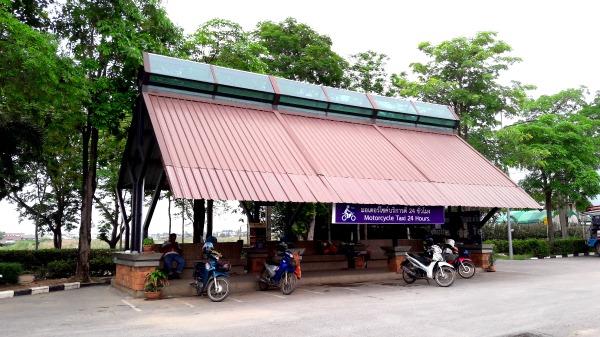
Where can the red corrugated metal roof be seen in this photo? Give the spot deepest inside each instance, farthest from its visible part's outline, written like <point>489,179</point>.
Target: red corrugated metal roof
<point>226,151</point>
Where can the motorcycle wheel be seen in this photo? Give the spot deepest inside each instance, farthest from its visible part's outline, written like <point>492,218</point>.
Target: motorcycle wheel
<point>466,269</point>
<point>444,276</point>
<point>198,287</point>
<point>288,283</point>
<point>408,278</point>
<point>262,285</point>
<point>217,290</point>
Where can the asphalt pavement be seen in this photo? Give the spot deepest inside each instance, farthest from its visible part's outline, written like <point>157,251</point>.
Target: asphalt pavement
<point>557,297</point>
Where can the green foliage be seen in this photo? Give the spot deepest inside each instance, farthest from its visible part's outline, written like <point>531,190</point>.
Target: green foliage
<point>367,73</point>
<point>464,74</point>
<point>296,51</point>
<point>156,280</point>
<point>36,86</point>
<point>102,266</point>
<point>32,260</point>
<point>537,231</point>
<point>561,154</point>
<point>2,235</point>
<point>60,268</point>
<point>9,272</point>
<point>541,247</point>
<point>148,241</point>
<point>225,43</point>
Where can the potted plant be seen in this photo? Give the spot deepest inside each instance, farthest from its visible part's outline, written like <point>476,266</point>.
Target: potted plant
<point>155,281</point>
<point>26,278</point>
<point>491,268</point>
<point>148,245</point>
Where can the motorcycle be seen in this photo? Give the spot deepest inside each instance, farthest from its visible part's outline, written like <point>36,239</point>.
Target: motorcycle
<point>419,267</point>
<point>210,277</point>
<point>285,275</point>
<point>461,262</point>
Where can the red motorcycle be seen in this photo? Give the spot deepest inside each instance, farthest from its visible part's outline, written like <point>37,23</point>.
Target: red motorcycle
<point>461,262</point>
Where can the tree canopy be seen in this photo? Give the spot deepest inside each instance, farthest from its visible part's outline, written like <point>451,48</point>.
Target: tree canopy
<point>559,152</point>
<point>464,74</point>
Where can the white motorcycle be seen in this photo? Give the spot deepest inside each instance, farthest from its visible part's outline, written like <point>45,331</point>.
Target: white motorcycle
<point>418,267</point>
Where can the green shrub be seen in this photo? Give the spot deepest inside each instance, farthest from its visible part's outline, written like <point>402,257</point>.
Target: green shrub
<point>541,247</point>
<point>102,266</point>
<point>39,260</point>
<point>9,272</point>
<point>61,268</point>
<point>148,241</point>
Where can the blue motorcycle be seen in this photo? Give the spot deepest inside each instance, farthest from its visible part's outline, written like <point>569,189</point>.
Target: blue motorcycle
<point>211,278</point>
<point>284,276</point>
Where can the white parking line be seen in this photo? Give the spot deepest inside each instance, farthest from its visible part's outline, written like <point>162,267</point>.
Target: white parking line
<point>131,305</point>
<point>313,292</point>
<point>185,303</point>
<point>278,296</point>
<point>235,299</point>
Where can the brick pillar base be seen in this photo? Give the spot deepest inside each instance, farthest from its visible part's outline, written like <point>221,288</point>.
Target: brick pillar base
<point>481,259</point>
<point>132,270</point>
<point>256,261</point>
<point>395,262</point>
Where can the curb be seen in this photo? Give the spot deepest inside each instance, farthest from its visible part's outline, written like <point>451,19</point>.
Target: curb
<point>49,289</point>
<point>561,256</point>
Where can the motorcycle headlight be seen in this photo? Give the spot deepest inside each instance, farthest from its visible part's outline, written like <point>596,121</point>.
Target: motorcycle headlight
<point>207,265</point>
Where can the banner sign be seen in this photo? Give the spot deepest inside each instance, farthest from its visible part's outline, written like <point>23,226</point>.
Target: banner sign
<point>385,214</point>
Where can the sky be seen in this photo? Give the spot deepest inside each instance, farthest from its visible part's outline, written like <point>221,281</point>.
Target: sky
<point>557,41</point>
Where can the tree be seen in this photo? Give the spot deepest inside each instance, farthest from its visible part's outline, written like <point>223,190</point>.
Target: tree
<point>561,154</point>
<point>225,43</point>
<point>33,13</point>
<point>113,222</point>
<point>107,38</point>
<point>37,85</point>
<point>367,73</point>
<point>562,103</point>
<point>297,52</point>
<point>2,235</point>
<point>464,74</point>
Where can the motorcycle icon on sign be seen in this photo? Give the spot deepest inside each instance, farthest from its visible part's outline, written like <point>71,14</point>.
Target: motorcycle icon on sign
<point>348,214</point>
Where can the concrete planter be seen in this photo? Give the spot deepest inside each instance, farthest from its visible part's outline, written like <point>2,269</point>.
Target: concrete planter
<point>26,279</point>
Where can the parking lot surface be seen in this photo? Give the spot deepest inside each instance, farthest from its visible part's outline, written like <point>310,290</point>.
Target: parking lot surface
<point>558,297</point>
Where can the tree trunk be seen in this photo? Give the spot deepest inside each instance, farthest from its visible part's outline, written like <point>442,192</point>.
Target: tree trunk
<point>564,222</point>
<point>90,156</point>
<point>198,224</point>
<point>37,235</point>
<point>548,195</point>
<point>57,236</point>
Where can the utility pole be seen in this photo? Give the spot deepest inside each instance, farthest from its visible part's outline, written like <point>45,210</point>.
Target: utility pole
<point>510,246</point>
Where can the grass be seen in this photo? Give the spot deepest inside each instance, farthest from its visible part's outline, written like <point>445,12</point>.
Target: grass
<point>515,256</point>
<point>48,244</point>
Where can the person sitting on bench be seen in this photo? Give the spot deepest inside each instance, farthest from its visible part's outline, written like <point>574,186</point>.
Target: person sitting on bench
<point>172,252</point>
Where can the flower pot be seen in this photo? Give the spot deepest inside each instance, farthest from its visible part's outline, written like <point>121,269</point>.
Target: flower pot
<point>26,279</point>
<point>152,295</point>
<point>148,249</point>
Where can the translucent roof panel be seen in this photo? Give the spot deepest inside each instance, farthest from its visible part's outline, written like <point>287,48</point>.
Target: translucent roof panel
<point>300,89</point>
<point>434,110</point>
<point>243,79</point>
<point>348,97</point>
<point>169,66</point>
<point>394,104</point>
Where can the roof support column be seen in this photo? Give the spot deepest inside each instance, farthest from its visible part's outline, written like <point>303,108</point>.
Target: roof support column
<point>136,221</point>
<point>125,217</point>
<point>209,217</point>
